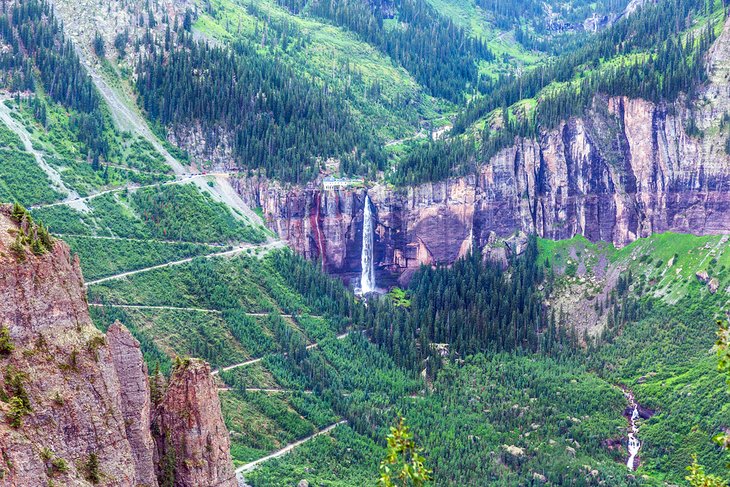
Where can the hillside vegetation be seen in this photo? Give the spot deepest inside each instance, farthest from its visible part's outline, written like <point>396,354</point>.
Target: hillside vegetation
<point>511,375</point>
<point>530,407</point>
<point>656,54</point>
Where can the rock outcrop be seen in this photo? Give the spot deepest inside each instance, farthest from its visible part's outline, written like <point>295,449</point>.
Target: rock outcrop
<point>75,403</point>
<point>59,387</point>
<point>193,440</point>
<point>132,373</point>
<point>626,169</point>
<point>85,19</point>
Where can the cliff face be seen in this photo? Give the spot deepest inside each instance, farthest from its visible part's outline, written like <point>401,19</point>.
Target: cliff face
<point>626,169</point>
<point>74,403</point>
<point>135,395</point>
<point>193,440</point>
<point>61,372</point>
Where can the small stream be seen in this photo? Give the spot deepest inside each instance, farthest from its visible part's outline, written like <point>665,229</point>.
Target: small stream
<point>632,414</point>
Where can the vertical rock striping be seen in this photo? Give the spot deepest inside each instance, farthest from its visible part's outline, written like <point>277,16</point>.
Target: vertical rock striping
<point>132,373</point>
<point>75,403</point>
<point>625,170</point>
<point>193,438</point>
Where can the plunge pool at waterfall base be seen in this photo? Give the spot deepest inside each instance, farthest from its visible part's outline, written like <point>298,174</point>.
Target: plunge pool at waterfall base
<point>385,281</point>
<point>373,293</point>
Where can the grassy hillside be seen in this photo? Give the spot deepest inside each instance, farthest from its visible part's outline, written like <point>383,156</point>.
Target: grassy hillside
<point>511,397</point>
<point>380,92</point>
<point>667,267</point>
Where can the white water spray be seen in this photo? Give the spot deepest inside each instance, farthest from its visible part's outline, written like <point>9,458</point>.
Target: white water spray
<point>367,277</point>
<point>634,445</point>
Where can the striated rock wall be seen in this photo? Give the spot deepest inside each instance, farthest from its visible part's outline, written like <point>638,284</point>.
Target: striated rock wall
<point>75,403</point>
<point>626,169</point>
<point>135,399</point>
<point>193,439</point>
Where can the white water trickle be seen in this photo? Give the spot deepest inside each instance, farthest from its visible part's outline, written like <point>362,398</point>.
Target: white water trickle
<point>367,277</point>
<point>634,445</point>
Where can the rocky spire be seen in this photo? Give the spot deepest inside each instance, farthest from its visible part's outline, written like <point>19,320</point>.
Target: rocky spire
<point>74,403</point>
<point>61,418</point>
<point>192,445</point>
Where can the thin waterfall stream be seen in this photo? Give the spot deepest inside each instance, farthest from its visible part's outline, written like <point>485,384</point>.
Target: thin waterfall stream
<point>633,444</point>
<point>367,276</point>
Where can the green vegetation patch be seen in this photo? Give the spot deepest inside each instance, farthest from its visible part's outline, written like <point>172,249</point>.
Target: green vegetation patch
<point>102,257</point>
<point>188,333</point>
<point>380,92</point>
<point>218,283</point>
<point>509,416</point>
<point>23,181</point>
<point>261,422</point>
<point>676,265</point>
<point>669,265</point>
<point>108,215</point>
<point>9,139</point>
<point>342,458</point>
<point>171,212</point>
<point>139,154</point>
<point>113,216</point>
<point>182,212</point>
<point>251,331</point>
<point>251,376</point>
<point>85,180</point>
<point>62,219</point>
<point>666,357</point>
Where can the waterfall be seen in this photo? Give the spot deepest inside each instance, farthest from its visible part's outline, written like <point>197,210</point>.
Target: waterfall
<point>367,277</point>
<point>634,445</point>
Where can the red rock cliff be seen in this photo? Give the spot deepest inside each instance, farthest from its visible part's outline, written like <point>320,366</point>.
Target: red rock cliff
<point>74,403</point>
<point>193,440</point>
<point>625,169</point>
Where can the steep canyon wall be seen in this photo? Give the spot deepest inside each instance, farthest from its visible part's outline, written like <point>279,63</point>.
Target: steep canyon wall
<point>625,170</point>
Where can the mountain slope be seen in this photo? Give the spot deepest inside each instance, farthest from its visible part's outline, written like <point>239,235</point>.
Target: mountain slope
<point>518,373</point>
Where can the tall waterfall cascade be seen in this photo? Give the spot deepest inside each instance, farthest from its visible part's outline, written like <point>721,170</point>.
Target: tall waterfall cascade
<point>367,277</point>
